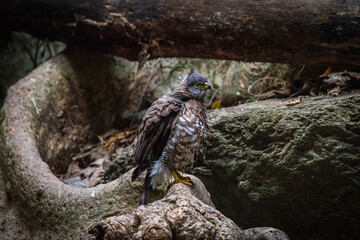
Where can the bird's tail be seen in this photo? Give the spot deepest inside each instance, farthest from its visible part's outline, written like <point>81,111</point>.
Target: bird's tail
<point>147,186</point>
<point>135,174</point>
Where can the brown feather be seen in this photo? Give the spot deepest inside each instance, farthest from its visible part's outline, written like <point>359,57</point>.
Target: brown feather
<point>173,131</point>
<point>154,131</point>
<point>172,134</point>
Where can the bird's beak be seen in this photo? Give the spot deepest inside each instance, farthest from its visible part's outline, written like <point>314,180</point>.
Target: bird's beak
<point>207,86</point>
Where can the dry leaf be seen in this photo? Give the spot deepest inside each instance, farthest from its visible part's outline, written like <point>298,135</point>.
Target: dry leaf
<point>327,72</point>
<point>216,105</point>
<point>122,137</point>
<point>335,91</point>
<point>292,103</point>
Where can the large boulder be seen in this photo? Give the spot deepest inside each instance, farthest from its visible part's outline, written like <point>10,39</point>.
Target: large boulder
<point>294,168</point>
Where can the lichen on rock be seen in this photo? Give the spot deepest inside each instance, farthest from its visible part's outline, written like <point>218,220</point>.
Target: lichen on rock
<point>295,168</point>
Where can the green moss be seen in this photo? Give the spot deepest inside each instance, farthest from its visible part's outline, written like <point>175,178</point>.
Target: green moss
<point>284,167</point>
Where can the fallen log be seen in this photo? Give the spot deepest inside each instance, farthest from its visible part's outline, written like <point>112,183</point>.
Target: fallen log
<point>321,32</point>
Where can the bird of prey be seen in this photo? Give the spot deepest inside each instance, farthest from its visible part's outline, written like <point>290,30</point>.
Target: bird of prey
<point>172,134</point>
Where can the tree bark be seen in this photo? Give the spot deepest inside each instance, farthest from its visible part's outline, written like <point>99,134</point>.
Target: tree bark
<point>300,31</point>
<point>184,213</point>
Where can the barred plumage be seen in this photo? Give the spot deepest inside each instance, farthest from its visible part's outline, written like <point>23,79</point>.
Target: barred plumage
<point>173,132</point>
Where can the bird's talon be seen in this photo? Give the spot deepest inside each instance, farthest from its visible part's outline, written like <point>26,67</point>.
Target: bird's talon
<point>187,182</point>
<point>180,179</point>
<point>191,182</point>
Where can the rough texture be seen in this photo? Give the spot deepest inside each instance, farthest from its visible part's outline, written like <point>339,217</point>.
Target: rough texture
<point>184,213</point>
<point>121,164</point>
<point>278,31</point>
<point>179,215</point>
<point>264,233</point>
<point>296,168</point>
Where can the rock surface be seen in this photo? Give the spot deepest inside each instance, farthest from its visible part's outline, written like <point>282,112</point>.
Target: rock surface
<point>264,233</point>
<point>294,168</point>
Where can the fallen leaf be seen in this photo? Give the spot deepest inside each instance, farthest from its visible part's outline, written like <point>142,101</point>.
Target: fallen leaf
<point>216,105</point>
<point>292,103</point>
<point>327,72</point>
<point>335,91</point>
<point>156,44</point>
<point>120,137</point>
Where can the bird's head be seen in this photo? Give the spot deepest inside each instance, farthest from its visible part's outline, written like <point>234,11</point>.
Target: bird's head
<point>196,85</point>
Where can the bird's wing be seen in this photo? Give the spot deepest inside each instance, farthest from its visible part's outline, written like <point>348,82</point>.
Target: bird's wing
<point>155,130</point>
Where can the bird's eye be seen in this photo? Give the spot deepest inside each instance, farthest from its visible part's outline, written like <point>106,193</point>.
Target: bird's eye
<point>196,85</point>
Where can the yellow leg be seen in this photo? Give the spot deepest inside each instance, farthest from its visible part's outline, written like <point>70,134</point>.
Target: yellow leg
<point>180,179</point>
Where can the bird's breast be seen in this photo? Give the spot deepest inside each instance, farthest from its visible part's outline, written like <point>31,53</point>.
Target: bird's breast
<point>188,135</point>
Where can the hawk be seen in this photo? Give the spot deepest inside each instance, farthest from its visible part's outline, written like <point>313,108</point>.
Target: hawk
<point>172,134</point>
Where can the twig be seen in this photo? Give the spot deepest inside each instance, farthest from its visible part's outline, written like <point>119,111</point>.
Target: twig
<point>84,155</point>
<point>256,82</point>
<point>151,76</point>
<point>298,74</point>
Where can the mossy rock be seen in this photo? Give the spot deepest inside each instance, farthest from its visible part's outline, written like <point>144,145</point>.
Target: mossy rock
<point>294,168</point>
